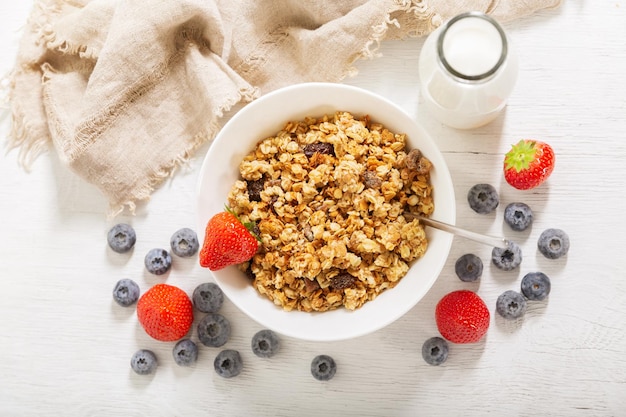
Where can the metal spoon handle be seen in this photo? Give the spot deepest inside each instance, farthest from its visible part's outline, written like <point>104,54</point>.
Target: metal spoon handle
<point>498,242</point>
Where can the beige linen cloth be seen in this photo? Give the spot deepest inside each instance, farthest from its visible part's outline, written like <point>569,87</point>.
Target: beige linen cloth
<point>127,90</point>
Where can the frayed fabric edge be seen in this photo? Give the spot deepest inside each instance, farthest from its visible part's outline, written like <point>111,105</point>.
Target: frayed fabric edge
<point>54,43</point>
<point>168,170</point>
<point>20,135</point>
<point>370,49</point>
<point>30,145</point>
<point>41,21</point>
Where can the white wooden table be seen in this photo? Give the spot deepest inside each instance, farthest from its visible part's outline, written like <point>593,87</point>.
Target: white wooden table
<point>65,346</point>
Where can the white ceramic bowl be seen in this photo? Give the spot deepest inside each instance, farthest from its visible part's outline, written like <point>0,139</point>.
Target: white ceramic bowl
<point>266,116</point>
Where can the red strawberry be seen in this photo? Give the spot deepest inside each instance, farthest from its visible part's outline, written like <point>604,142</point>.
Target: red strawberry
<point>165,312</point>
<point>462,317</point>
<point>528,164</point>
<point>227,242</point>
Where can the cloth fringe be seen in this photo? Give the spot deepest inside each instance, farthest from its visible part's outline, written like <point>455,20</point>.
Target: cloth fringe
<point>72,140</point>
<point>168,171</point>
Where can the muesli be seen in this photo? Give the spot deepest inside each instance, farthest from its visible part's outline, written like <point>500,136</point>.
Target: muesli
<point>328,196</point>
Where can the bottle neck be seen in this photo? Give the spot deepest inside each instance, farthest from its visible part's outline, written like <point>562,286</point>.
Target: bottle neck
<point>472,47</point>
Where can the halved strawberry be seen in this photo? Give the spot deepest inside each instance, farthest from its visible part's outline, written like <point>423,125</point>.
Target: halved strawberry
<point>528,164</point>
<point>227,242</point>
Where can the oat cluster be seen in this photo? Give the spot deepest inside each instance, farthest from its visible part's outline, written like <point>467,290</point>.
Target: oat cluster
<point>328,196</point>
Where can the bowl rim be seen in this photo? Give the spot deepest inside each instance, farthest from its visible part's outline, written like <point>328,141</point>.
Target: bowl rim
<point>321,89</point>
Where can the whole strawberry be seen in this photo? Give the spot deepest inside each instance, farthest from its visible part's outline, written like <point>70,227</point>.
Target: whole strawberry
<point>462,317</point>
<point>165,312</point>
<point>227,241</point>
<point>528,164</point>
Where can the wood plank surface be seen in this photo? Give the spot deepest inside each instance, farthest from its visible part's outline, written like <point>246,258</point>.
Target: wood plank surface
<point>65,346</point>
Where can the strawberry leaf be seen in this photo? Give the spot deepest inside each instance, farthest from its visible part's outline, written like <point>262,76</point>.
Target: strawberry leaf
<point>250,226</point>
<point>253,229</point>
<point>521,155</point>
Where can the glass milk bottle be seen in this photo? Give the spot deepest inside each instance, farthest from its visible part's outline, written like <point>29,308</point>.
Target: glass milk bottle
<point>467,71</point>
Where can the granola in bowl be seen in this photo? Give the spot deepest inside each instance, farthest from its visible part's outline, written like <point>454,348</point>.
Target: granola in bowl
<point>328,196</point>
<point>263,118</point>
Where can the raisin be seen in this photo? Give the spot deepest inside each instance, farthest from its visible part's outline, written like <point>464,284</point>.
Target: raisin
<point>254,189</point>
<point>412,159</point>
<point>371,180</point>
<point>311,285</point>
<point>424,165</point>
<point>342,281</point>
<point>319,147</point>
<point>417,162</point>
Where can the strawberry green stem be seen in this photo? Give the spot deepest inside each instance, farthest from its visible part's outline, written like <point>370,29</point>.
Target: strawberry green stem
<point>521,155</point>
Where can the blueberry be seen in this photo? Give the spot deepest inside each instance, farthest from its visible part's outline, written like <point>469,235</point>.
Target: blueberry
<point>185,352</point>
<point>228,363</point>
<point>323,367</point>
<point>553,243</point>
<point>435,351</point>
<point>483,198</point>
<point>184,243</point>
<point>518,216</point>
<point>121,237</point>
<point>507,258</point>
<point>214,330</point>
<point>126,292</point>
<point>207,298</point>
<point>158,261</point>
<point>468,267</point>
<point>265,343</point>
<point>536,286</point>
<point>511,305</point>
<point>143,362</point>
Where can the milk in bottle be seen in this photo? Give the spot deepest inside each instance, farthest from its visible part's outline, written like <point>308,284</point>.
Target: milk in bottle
<point>467,71</point>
